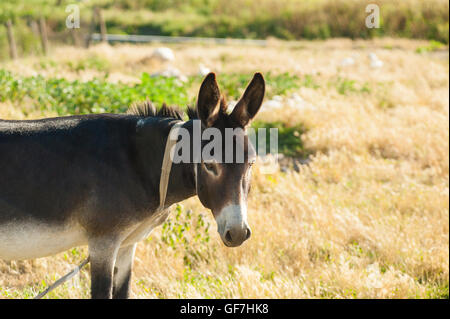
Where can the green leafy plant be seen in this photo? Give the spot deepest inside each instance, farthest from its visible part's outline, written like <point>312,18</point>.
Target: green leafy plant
<point>432,46</point>
<point>187,234</point>
<point>345,86</point>
<point>290,142</point>
<point>95,96</point>
<point>99,95</point>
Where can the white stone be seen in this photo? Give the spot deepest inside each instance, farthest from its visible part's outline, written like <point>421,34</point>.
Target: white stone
<point>272,104</point>
<point>164,54</point>
<point>203,70</point>
<point>171,72</point>
<point>347,61</point>
<point>375,62</point>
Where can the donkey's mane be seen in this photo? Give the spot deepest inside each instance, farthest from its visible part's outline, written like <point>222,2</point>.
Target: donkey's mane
<point>147,109</point>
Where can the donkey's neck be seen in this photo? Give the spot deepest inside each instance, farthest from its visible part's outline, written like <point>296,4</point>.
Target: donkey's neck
<point>150,144</point>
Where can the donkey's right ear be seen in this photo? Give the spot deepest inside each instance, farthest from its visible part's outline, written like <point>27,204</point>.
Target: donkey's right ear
<point>208,104</point>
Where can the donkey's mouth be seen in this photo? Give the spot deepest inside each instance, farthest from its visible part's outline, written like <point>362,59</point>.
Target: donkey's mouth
<point>229,245</point>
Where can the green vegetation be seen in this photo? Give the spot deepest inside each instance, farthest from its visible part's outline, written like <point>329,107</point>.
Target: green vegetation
<point>432,46</point>
<point>95,96</point>
<point>98,95</point>
<point>290,142</point>
<point>344,86</point>
<point>175,234</point>
<point>283,18</point>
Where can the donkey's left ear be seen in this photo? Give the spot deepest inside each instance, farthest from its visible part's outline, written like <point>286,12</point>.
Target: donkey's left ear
<point>250,102</point>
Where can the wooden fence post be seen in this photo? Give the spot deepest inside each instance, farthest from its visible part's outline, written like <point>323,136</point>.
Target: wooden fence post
<point>75,38</point>
<point>91,28</point>
<point>34,28</point>
<point>11,41</point>
<point>102,23</point>
<point>44,38</point>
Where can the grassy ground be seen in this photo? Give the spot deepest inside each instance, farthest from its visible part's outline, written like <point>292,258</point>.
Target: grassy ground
<point>368,217</point>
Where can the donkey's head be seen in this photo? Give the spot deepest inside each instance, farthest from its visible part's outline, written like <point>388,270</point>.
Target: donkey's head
<point>223,175</point>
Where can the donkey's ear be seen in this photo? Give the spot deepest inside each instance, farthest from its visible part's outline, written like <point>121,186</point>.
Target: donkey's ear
<point>208,104</point>
<point>250,102</point>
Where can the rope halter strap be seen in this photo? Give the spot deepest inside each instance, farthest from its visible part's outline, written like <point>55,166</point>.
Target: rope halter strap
<point>167,164</point>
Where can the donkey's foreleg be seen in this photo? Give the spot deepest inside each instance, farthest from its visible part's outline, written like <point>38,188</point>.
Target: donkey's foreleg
<point>102,253</point>
<point>122,272</point>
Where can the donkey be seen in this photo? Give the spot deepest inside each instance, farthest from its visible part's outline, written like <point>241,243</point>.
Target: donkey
<point>94,180</point>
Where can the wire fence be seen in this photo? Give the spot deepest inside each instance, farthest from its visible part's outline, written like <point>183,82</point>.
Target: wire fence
<point>171,39</point>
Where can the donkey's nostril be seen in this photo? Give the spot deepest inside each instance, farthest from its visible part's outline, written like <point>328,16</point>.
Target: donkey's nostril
<point>236,236</point>
<point>249,233</point>
<point>228,236</point>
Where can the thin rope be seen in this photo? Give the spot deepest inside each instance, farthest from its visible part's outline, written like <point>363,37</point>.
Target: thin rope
<point>61,280</point>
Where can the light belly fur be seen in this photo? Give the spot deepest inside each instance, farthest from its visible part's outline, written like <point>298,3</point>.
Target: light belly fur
<point>28,240</point>
<point>33,239</point>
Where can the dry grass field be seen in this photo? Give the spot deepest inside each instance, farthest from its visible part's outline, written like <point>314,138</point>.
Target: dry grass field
<point>366,217</point>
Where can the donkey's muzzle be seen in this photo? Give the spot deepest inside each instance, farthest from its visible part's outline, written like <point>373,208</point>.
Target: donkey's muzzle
<point>232,225</point>
<point>236,236</point>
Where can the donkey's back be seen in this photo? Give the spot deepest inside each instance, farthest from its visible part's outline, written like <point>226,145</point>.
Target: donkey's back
<point>55,173</point>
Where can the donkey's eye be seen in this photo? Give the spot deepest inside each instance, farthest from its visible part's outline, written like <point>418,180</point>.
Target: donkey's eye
<point>211,167</point>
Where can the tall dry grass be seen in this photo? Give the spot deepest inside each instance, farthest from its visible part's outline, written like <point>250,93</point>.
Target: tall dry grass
<point>367,217</point>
